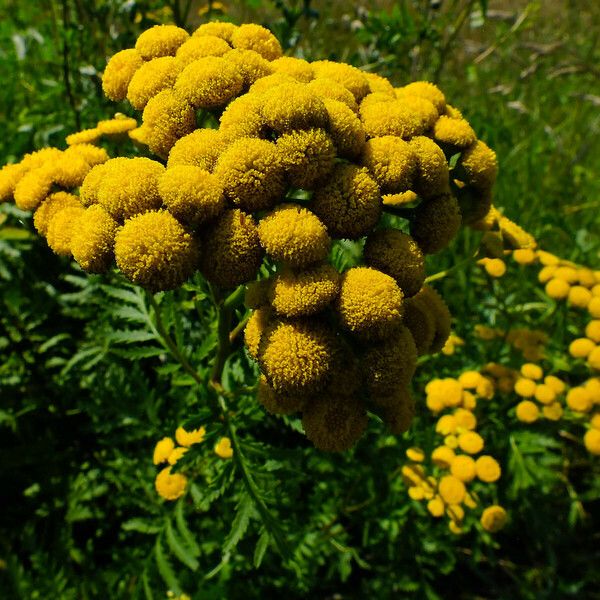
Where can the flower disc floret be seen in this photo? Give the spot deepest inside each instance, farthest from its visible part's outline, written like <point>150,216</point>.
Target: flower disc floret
<point>249,64</point>
<point>220,29</point>
<point>191,194</point>
<point>432,175</point>
<point>153,250</point>
<point>436,223</point>
<point>480,165</point>
<point>345,129</point>
<point>61,227</point>
<point>579,296</point>
<point>349,204</point>
<point>294,235</point>
<point>160,40</point>
<point>379,84</point>
<point>326,88</point>
<point>392,163</point>
<point>243,118</point>
<point>370,303</point>
<point>403,118</point>
<point>421,323</point>
<point>255,37</point>
<point>301,70</point>
<point>119,72</point>
<point>93,239</point>
<point>34,187</point>
<point>579,399</point>
<point>434,303</point>
<point>152,77</point>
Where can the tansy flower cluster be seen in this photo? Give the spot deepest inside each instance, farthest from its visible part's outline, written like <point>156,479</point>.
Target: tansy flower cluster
<point>305,154</point>
<point>529,342</point>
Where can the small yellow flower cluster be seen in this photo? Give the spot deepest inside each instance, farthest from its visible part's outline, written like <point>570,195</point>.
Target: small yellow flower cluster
<point>530,342</point>
<point>452,343</point>
<point>171,486</point>
<point>453,467</point>
<point>494,267</point>
<point>119,125</point>
<point>503,234</point>
<point>532,386</point>
<point>459,393</point>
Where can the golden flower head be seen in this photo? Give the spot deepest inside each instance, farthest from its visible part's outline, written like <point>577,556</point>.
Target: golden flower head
<point>493,518</point>
<point>456,133</point>
<point>436,223</point>
<point>379,84</point>
<point>278,403</point>
<point>50,206</point>
<point>591,440</point>
<point>404,118</point>
<point>10,175</point>
<point>557,289</point>
<point>391,162</point>
<point>345,129</point>
<point>200,46</point>
<point>297,356</point>
<point>480,165</point>
<point>201,148</point>
<point>34,187</point>
<point>251,174</point>
<point>92,155</point>
<point>249,64</point>
<point>463,468</point>
<point>88,191</point>
<point>579,399</point>
<point>306,292</point>
<point>129,186</point>
<point>243,118</point>
<point>209,82</point>
<point>308,157</point>
<point>218,29</point>
<point>432,175</point>
<point>350,77</point>
<point>470,442</point>
<point>424,89</point>
<point>162,450</point>
<point>152,77</point>
<point>189,438</point>
<point>451,489</point>
<point>61,227</point>
<point>160,40</point>
<point>334,423</point>
<point>119,72</point>
<point>255,37</point>
<point>301,70</point>
<point>442,456</point>
<point>330,89</point>
<point>264,84</point>
<point>92,241</point>
<point>487,468</point>
<point>170,486</point>
<point>399,256</point>
<point>191,194</point>
<point>579,296</point>
<point>153,250</point>
<point>527,411</point>
<point>294,235</point>
<point>255,327</point>
<point>349,204</point>
<point>232,252</point>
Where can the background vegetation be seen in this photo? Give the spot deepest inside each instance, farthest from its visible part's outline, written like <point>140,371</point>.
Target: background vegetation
<point>83,399</point>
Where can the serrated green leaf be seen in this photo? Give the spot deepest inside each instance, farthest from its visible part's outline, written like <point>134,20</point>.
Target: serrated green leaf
<point>141,526</point>
<point>165,568</point>
<point>261,548</point>
<point>185,531</point>
<point>141,352</point>
<point>179,549</point>
<point>240,524</point>
<point>130,313</point>
<point>131,336</point>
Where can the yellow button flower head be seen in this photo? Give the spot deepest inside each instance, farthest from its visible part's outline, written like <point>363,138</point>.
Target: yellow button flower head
<point>294,235</point>
<point>152,77</point>
<point>350,77</point>
<point>306,292</point>
<point>257,38</point>
<point>556,384</point>
<point>176,455</point>
<point>93,239</point>
<point>243,118</point>
<point>595,421</point>
<point>232,252</point>
<point>70,170</point>
<point>557,289</point>
<point>465,418</point>
<point>586,277</point>
<point>201,148</point>
<point>416,493</point>
<point>469,379</point>
<point>591,440</point>
<point>129,187</point>
<point>153,250</point>
<point>480,165</point>
<point>432,175</point>
<point>349,204</point>
<point>470,442</point>
<point>61,227</point>
<point>581,347</point>
<point>487,469</point>
<point>255,327</point>
<point>594,307</point>
<point>442,456</point>
<point>249,64</point>
<point>389,364</point>
<point>189,438</point>
<point>301,70</point>
<point>527,411</point>
<point>546,274</point>
<point>553,411</point>
<point>452,112</point>
<point>251,174</point>
<point>88,191</point>
<point>436,507</point>
<point>192,195</point>
<point>209,82</point>
<point>50,206</point>
<point>166,119</point>
<point>415,454</point>
<point>118,73</point>
<point>544,394</point>
<point>424,89</point>
<point>162,450</point>
<point>446,424</point>
<point>265,84</point>
<point>532,371</point>
<point>391,161</point>
<point>10,175</point>
<point>436,223</point>
<point>293,106</point>
<point>85,136</point>
<point>199,47</point>
<point>91,154</point>
<point>451,489</point>
<point>308,157</point>
<point>398,255</point>
<point>421,323</point>
<point>379,84</point>
<point>494,267</point>
<point>332,90</point>
<point>370,303</point>
<point>413,475</point>
<point>278,403</point>
<point>568,274</point>
<point>218,29</point>
<point>345,129</point>
<point>493,518</point>
<point>463,468</point>
<point>160,40</point>
<point>454,132</point>
<point>334,423</point>
<point>579,400</point>
<point>372,99</point>
<point>34,187</point>
<point>297,356</point>
<point>524,256</point>
<point>592,331</point>
<point>170,486</point>
<point>593,387</point>
<point>403,118</point>
<point>579,296</point>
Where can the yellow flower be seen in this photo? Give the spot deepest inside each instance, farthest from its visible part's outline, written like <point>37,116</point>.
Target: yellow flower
<point>436,507</point>
<point>301,70</point>
<point>404,118</point>
<point>232,254</point>
<point>568,274</point>
<point>446,424</point>
<point>349,205</point>
<point>579,296</point>
<point>527,411</point>
<point>153,250</point>
<point>150,78</point>
<point>251,174</point>
<point>532,371</point>
<point>249,64</point>
<point>594,308</point>
<point>593,387</point>
<point>334,423</point>
<point>456,513</point>
<point>255,327</point>
<point>345,129</point>
<point>34,187</point>
<point>455,528</point>
<point>199,47</point>
<point>160,40</point>
<point>170,486</point>
<point>481,168</point>
<point>525,387</point>
<point>380,84</point>
<point>470,442</point>
<point>93,239</point>
<point>415,454</point>
<point>465,419</point>
<point>592,331</point>
<point>333,90</point>
<point>219,29</point>
<point>591,439</point>
<point>448,390</point>
<point>432,177</point>
<point>201,148</point>
<point>451,441</point>
<point>50,206</point>
<point>454,132</point>
<point>493,518</point>
<point>191,194</point>
<point>118,73</point>
<point>209,82</point>
<point>595,421</point>
<point>91,154</point>
<point>553,411</point>
<point>85,136</point>
<point>556,384</point>
<point>544,394</point>
<point>547,259</point>
<point>463,468</point>
<point>442,456</point>
<point>189,438</point>
<point>392,163</point>
<point>242,119</point>
<point>581,347</point>
<point>494,267</point>
<point>350,77</point>
<point>579,399</point>
<point>176,454</point>
<point>279,403</point>
<point>306,292</point>
<point>524,256</point>
<point>223,448</point>
<point>257,38</point>
<point>294,235</point>
<point>61,227</point>
<point>162,450</point>
<point>546,274</point>
<point>451,489</point>
<point>436,223</point>
<point>487,469</point>
<point>469,379</point>
<point>293,106</point>
<point>424,89</point>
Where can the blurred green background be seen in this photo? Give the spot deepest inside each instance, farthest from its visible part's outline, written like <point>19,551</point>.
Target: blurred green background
<point>75,474</point>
